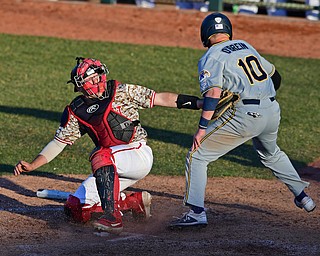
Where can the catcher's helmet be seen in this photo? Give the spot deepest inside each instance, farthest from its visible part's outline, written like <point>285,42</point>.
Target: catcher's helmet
<point>89,76</point>
<point>215,23</point>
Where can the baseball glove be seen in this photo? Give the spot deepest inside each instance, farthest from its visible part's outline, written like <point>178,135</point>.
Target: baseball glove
<point>227,100</point>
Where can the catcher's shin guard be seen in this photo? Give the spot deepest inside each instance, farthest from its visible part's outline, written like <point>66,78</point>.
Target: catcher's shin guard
<point>107,182</point>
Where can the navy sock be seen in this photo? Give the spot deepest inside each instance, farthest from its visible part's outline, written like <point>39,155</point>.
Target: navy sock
<point>197,209</point>
<point>301,196</point>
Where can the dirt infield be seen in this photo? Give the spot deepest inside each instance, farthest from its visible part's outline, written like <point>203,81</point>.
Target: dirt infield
<point>160,26</point>
<point>246,216</point>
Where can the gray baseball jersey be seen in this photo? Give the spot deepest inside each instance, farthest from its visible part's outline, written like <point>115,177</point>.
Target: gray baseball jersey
<point>236,66</point>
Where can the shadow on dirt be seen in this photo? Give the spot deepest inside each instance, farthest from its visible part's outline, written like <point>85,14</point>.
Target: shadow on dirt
<point>310,173</point>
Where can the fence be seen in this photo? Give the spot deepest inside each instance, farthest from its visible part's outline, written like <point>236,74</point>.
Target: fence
<point>218,5</point>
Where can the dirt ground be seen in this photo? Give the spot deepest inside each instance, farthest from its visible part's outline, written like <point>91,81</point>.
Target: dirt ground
<point>246,216</point>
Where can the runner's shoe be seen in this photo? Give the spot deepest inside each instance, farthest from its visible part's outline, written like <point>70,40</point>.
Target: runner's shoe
<point>306,203</point>
<point>190,219</point>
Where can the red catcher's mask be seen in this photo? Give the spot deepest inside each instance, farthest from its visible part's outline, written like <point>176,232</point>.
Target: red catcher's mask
<point>96,86</point>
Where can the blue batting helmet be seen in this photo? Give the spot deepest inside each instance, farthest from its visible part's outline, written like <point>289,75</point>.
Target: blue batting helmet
<point>215,23</point>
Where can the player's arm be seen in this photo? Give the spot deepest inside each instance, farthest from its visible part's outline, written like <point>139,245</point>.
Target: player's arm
<point>165,99</point>
<point>273,73</point>
<point>148,98</point>
<point>62,138</point>
<point>210,102</point>
<point>276,79</point>
<point>49,152</point>
<point>23,166</point>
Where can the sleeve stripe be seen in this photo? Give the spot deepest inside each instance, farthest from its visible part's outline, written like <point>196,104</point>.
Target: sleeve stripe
<point>63,141</point>
<point>152,99</point>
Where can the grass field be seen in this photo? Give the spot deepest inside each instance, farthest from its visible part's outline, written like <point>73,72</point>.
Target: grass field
<point>33,76</point>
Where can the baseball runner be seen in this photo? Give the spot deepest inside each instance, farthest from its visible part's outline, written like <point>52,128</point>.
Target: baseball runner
<point>107,111</point>
<point>235,66</point>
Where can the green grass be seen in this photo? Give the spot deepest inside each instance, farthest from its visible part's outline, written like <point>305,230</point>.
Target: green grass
<point>33,75</point>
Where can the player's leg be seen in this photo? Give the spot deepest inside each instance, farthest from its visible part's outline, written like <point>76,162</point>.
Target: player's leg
<point>107,183</point>
<point>134,161</point>
<point>221,137</point>
<point>84,202</point>
<point>273,158</point>
<point>108,189</point>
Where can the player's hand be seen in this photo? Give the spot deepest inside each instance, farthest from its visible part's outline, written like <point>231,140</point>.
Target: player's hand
<point>21,167</point>
<point>197,138</point>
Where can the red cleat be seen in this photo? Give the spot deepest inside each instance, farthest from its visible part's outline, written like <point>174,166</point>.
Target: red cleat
<point>111,223</point>
<point>139,203</point>
<point>80,212</point>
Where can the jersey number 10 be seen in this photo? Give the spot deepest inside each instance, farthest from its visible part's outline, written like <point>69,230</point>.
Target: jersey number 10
<point>252,68</point>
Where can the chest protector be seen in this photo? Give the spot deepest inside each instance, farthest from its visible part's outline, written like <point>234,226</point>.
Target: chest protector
<point>105,126</point>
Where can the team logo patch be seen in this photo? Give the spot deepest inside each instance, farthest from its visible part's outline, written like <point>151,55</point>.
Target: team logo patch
<point>204,74</point>
<point>92,108</point>
<point>218,19</point>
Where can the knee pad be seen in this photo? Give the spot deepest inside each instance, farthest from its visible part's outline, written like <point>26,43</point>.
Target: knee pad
<point>79,212</point>
<point>101,157</point>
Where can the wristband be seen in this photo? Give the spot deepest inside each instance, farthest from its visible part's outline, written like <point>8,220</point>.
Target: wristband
<point>187,101</point>
<point>210,104</point>
<point>203,124</point>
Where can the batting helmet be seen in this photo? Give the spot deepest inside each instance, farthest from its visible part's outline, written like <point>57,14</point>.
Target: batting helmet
<point>89,76</point>
<point>215,23</point>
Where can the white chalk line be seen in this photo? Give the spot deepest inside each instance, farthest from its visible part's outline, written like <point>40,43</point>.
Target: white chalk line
<point>124,236</point>
<point>31,209</point>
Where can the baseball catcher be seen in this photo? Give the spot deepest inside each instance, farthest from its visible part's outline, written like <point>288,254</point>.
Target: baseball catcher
<point>107,111</point>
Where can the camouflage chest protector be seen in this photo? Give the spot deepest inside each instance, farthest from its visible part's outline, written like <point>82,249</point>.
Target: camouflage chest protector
<point>105,127</point>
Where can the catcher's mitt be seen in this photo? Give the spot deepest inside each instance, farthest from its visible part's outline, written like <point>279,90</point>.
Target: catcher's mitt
<point>227,100</point>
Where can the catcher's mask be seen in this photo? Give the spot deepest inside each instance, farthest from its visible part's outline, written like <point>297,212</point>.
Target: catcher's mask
<point>215,23</point>
<point>89,76</point>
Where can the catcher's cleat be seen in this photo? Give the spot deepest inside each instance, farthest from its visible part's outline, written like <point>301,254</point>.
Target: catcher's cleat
<point>111,223</point>
<point>190,219</point>
<point>81,212</point>
<point>139,203</point>
<point>306,203</point>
